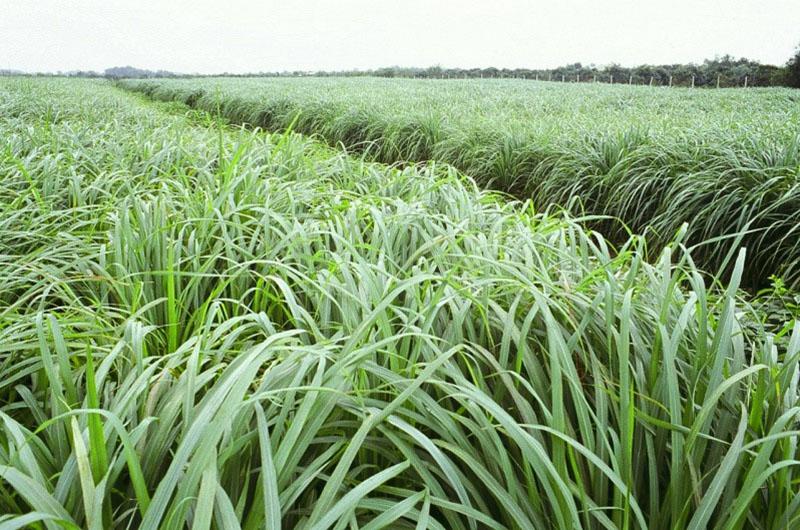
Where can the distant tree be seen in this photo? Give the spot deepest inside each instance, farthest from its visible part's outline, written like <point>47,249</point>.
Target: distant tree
<point>616,73</point>
<point>642,73</point>
<point>793,70</point>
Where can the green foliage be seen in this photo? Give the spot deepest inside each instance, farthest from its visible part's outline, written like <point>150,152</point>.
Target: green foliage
<point>209,327</point>
<point>779,308</point>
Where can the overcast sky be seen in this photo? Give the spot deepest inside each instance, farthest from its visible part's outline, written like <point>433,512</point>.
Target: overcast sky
<point>267,35</point>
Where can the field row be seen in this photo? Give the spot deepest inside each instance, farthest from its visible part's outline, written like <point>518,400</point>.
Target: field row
<point>727,162</point>
<point>214,328</point>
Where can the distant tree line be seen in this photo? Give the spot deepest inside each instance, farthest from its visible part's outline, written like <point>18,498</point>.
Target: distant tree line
<point>724,71</point>
<point>116,72</point>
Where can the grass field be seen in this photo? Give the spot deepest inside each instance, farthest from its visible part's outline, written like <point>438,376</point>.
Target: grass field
<point>652,158</point>
<point>205,326</point>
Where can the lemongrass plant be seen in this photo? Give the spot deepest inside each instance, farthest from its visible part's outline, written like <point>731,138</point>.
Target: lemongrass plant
<point>209,327</point>
<point>725,161</point>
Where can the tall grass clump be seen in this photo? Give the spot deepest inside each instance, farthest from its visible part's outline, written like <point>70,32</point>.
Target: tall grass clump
<point>725,161</point>
<point>209,327</point>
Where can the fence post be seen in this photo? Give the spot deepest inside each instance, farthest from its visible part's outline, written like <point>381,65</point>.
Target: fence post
<point>562,78</point>
<point>612,79</point>
<point>651,80</point>
<point>670,80</point>
<point>717,80</point>
<point>630,80</point>
<point>594,78</point>
<point>745,81</point>
<point>692,81</point>
<point>537,77</point>
<point>577,78</point>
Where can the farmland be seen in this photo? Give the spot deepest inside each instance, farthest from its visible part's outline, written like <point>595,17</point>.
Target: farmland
<point>647,159</point>
<point>204,325</point>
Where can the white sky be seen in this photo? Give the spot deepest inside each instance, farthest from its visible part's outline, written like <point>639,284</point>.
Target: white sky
<point>270,35</point>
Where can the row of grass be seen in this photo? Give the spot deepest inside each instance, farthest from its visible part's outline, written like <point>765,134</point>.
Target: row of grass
<point>727,161</point>
<point>209,327</point>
